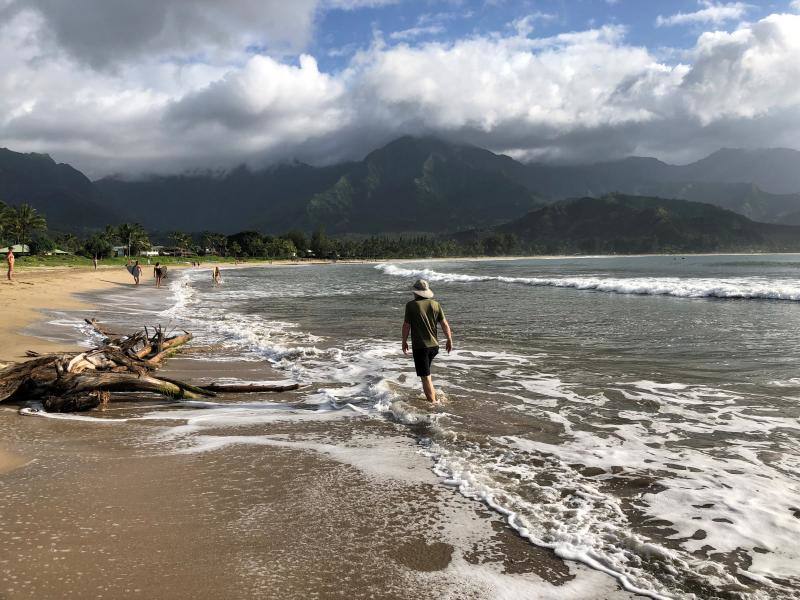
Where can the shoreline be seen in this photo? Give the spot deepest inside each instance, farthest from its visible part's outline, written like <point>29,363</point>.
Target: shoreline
<point>39,289</point>
<point>239,490</point>
<point>357,527</point>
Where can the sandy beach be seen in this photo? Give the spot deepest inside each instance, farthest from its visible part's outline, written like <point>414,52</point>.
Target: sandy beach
<point>36,290</point>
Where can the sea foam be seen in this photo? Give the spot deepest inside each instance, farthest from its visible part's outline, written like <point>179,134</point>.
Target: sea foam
<point>744,288</point>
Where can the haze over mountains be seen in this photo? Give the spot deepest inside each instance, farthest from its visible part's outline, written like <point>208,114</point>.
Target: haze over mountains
<point>409,185</point>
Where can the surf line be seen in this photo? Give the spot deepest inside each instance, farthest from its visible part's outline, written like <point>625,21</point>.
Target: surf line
<point>730,289</point>
<point>487,497</point>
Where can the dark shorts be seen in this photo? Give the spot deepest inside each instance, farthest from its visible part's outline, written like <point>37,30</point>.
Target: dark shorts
<point>423,357</point>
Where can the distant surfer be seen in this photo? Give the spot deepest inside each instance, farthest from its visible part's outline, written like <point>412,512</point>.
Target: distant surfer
<point>10,260</point>
<point>217,276</point>
<point>135,270</point>
<point>423,315</point>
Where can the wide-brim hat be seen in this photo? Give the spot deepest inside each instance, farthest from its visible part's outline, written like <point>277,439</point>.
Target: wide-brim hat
<point>422,289</point>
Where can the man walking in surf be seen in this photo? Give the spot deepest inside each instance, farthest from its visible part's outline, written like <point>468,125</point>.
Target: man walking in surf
<point>423,314</point>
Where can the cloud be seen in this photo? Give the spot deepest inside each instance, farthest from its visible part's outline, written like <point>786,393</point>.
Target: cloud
<point>415,32</point>
<point>279,101</point>
<point>103,32</point>
<point>712,13</point>
<point>579,96</point>
<point>795,5</point>
<point>357,4</point>
<point>524,25</point>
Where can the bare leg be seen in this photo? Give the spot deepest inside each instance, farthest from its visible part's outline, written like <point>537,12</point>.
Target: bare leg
<point>427,387</point>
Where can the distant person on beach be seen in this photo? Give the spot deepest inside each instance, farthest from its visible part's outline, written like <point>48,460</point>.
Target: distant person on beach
<point>94,262</point>
<point>217,276</point>
<point>10,260</point>
<point>135,270</point>
<point>158,273</point>
<point>423,314</point>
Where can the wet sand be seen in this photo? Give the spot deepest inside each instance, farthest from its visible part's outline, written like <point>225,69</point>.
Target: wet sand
<point>36,290</point>
<point>98,514</point>
<point>10,461</point>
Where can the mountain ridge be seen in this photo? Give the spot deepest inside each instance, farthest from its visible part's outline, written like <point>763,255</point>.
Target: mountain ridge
<point>411,184</point>
<point>624,224</point>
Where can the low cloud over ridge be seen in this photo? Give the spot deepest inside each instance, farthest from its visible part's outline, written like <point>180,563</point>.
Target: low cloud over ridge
<point>582,96</point>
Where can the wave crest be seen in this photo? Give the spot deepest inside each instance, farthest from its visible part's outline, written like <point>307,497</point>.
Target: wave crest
<point>734,288</point>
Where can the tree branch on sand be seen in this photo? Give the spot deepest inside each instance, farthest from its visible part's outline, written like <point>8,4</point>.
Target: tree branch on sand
<point>78,381</point>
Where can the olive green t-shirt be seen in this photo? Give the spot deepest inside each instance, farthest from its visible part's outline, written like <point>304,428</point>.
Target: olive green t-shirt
<point>423,315</point>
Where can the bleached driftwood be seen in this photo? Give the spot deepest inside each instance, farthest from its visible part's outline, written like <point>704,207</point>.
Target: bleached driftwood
<point>76,381</point>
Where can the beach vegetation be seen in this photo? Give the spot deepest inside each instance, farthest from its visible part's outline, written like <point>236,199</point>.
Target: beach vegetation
<point>21,222</point>
<point>68,242</point>
<point>5,222</point>
<point>111,235</point>
<point>182,241</point>
<point>320,244</point>
<point>42,244</point>
<point>134,237</point>
<point>299,240</point>
<point>247,243</point>
<point>97,245</point>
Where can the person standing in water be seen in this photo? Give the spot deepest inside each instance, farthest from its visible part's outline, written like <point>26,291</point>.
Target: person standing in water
<point>10,260</point>
<point>422,317</point>
<point>217,276</point>
<point>158,273</point>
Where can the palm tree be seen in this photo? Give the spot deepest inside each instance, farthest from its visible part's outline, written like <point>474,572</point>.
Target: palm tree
<point>68,242</point>
<point>125,235</point>
<point>25,221</point>
<point>5,220</point>
<point>206,240</point>
<point>181,240</point>
<point>134,236</point>
<point>221,244</point>
<point>111,234</point>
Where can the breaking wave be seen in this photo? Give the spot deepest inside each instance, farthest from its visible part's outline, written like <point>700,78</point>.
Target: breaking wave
<point>750,288</point>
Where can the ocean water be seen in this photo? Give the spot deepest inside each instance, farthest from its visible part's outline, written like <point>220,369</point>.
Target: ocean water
<point>640,415</point>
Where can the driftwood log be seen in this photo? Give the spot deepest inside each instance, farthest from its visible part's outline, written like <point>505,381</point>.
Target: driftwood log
<point>77,381</point>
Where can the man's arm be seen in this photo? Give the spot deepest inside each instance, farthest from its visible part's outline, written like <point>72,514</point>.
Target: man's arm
<point>449,333</point>
<point>406,331</point>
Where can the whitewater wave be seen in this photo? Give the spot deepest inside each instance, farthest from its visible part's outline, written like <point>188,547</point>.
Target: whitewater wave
<point>751,288</point>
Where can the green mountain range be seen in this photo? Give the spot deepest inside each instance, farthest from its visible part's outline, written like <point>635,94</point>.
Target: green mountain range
<point>411,185</point>
<point>68,198</point>
<point>618,223</point>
